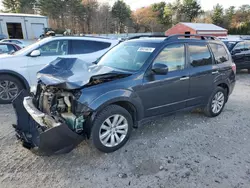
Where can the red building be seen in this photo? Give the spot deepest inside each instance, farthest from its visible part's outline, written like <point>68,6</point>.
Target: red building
<point>197,28</point>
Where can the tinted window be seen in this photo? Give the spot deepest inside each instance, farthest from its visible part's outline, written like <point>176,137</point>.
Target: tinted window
<point>199,55</point>
<point>173,56</point>
<point>220,53</point>
<point>58,47</point>
<point>85,47</point>
<point>239,46</point>
<point>10,48</point>
<point>247,45</point>
<point>230,44</point>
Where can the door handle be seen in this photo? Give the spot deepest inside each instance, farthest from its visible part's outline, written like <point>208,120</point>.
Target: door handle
<point>184,78</point>
<point>215,72</point>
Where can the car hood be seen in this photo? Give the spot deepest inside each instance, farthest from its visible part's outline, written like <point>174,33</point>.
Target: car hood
<point>73,73</point>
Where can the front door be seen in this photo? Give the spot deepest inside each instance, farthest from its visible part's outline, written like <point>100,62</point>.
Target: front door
<point>49,52</point>
<point>166,93</point>
<point>202,73</point>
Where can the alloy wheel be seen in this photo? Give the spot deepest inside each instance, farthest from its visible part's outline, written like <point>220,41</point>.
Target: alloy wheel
<point>8,90</point>
<point>113,130</point>
<point>218,102</point>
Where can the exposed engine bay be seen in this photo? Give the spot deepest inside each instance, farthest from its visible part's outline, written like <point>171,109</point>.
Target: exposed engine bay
<point>60,106</point>
<point>54,120</point>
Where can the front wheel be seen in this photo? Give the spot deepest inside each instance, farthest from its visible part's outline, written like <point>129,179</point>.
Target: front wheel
<point>216,102</point>
<point>111,128</point>
<point>9,88</point>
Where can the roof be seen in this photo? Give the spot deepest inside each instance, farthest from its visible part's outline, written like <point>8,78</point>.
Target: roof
<point>203,26</point>
<point>23,15</point>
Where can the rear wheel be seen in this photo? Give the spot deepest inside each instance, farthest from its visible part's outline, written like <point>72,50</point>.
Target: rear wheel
<point>111,128</point>
<point>9,88</point>
<point>216,102</point>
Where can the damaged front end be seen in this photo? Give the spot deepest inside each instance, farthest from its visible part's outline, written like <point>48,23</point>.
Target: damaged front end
<point>52,121</point>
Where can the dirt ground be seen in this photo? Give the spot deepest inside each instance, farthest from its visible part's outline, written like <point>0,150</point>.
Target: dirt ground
<point>183,150</point>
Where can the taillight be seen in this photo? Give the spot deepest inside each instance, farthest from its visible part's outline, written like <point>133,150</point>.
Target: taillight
<point>234,67</point>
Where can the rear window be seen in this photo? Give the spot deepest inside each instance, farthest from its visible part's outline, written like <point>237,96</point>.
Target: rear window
<point>220,53</point>
<point>199,55</point>
<point>86,47</point>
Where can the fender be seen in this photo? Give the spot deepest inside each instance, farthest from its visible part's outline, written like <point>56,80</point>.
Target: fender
<point>19,76</point>
<point>120,95</point>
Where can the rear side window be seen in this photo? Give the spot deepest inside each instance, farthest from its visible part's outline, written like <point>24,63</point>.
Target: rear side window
<point>86,47</point>
<point>199,55</point>
<point>220,53</point>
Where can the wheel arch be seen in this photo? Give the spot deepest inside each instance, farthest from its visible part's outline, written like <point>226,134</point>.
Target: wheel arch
<point>225,86</point>
<point>17,76</point>
<point>124,98</point>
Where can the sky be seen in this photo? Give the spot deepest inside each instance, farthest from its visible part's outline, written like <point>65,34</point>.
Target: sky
<point>206,4</point>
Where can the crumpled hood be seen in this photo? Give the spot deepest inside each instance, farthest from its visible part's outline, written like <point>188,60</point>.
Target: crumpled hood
<point>72,73</point>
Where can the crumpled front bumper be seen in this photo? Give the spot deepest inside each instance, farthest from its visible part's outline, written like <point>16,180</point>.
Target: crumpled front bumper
<point>34,134</point>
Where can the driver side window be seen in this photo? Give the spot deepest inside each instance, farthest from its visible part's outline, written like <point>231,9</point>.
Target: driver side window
<point>173,56</point>
<point>58,47</point>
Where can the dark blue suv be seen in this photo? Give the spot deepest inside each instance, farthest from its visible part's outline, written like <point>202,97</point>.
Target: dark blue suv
<point>136,80</point>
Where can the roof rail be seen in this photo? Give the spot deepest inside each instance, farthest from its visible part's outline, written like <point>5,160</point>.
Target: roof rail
<point>202,37</point>
<point>141,36</point>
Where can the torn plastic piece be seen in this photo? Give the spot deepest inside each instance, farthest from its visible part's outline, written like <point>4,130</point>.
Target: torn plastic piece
<point>57,140</point>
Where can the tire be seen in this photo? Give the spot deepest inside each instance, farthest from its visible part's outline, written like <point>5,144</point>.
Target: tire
<point>101,127</point>
<point>248,71</point>
<point>13,85</point>
<point>208,110</point>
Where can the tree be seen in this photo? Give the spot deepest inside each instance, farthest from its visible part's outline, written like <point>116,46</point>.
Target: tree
<point>19,6</point>
<point>122,13</point>
<point>145,17</point>
<point>168,15</point>
<point>177,12</point>
<point>217,16</point>
<point>191,9</point>
<point>138,19</point>
<point>90,7</point>
<point>159,9</point>
<point>102,22</point>
<point>229,13</point>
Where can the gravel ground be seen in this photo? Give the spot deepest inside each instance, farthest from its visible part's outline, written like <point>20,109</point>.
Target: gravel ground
<point>182,150</point>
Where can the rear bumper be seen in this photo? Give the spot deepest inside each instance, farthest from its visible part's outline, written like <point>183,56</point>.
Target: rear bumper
<point>34,134</point>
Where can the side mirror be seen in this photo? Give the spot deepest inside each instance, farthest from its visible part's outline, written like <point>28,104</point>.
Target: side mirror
<point>160,68</point>
<point>35,53</point>
<point>236,51</point>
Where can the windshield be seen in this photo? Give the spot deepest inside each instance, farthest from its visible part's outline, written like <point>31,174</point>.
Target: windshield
<point>230,44</point>
<point>129,56</point>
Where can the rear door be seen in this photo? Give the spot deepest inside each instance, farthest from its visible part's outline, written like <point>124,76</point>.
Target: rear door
<point>202,71</point>
<point>223,61</point>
